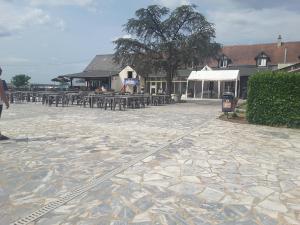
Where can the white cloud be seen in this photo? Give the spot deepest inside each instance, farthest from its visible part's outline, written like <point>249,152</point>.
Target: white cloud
<point>172,3</point>
<point>90,5</point>
<point>252,26</point>
<point>13,19</point>
<point>252,21</point>
<point>61,25</point>
<point>127,36</point>
<point>13,60</point>
<point>123,36</point>
<point>81,3</point>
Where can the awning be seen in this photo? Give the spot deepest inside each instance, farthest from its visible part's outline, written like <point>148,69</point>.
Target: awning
<point>215,75</point>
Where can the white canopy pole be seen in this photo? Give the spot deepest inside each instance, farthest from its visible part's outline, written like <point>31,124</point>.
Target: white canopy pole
<point>194,89</point>
<point>202,89</point>
<point>219,88</point>
<point>167,86</point>
<point>236,84</point>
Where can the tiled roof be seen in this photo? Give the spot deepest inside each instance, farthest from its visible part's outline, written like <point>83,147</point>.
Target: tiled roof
<point>103,62</point>
<point>100,66</point>
<point>245,54</point>
<point>240,55</point>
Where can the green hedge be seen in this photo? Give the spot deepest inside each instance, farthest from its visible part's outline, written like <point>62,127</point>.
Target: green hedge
<point>274,99</point>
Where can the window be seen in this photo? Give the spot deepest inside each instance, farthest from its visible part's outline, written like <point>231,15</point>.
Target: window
<point>211,85</point>
<point>183,87</point>
<point>158,85</point>
<point>129,74</point>
<point>262,59</point>
<point>229,86</point>
<point>224,61</point>
<point>176,87</point>
<point>262,62</point>
<point>164,86</point>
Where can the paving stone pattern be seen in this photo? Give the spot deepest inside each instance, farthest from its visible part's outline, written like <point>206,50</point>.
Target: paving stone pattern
<point>220,173</point>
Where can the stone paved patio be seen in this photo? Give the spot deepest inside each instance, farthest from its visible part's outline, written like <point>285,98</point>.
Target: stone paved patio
<point>219,173</point>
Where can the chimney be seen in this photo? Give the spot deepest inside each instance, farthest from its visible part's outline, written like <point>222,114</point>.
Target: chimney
<point>285,55</point>
<point>279,41</point>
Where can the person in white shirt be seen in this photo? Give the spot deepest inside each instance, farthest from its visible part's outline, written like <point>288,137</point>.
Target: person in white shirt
<point>3,99</point>
<point>103,89</point>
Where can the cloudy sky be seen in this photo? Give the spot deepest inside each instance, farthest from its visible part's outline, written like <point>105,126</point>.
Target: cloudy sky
<point>47,38</point>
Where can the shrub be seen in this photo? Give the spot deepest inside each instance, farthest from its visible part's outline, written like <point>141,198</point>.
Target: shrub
<point>234,115</point>
<point>274,99</point>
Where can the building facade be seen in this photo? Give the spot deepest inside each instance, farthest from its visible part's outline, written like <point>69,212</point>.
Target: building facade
<point>248,59</point>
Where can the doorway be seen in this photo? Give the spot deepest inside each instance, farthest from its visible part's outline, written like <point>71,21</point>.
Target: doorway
<point>153,88</point>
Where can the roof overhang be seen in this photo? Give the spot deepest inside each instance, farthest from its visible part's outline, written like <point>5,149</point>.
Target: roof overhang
<point>92,74</point>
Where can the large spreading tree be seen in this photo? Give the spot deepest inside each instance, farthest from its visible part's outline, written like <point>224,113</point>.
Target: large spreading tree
<point>164,40</point>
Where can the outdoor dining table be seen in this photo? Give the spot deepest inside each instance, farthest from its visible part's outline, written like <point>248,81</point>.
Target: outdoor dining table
<point>137,100</point>
<point>91,99</point>
<point>74,97</point>
<point>23,96</point>
<point>112,101</point>
<point>122,101</point>
<point>131,101</point>
<point>57,98</point>
<point>160,99</point>
<point>103,100</point>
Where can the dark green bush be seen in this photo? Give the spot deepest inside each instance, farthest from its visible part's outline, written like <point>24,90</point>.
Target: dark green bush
<point>274,99</point>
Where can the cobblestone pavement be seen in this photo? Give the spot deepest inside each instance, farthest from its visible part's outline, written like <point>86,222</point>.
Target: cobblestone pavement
<point>218,173</point>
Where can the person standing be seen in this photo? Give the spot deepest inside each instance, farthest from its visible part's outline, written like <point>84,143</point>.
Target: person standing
<point>3,99</point>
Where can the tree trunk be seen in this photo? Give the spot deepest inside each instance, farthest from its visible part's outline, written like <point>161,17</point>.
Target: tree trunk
<point>169,83</point>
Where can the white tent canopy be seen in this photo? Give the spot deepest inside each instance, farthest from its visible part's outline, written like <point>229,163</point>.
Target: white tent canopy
<point>215,75</point>
<point>206,74</point>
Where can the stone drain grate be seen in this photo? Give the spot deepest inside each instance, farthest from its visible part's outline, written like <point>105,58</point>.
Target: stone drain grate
<point>27,139</point>
<point>32,139</point>
<point>92,183</point>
